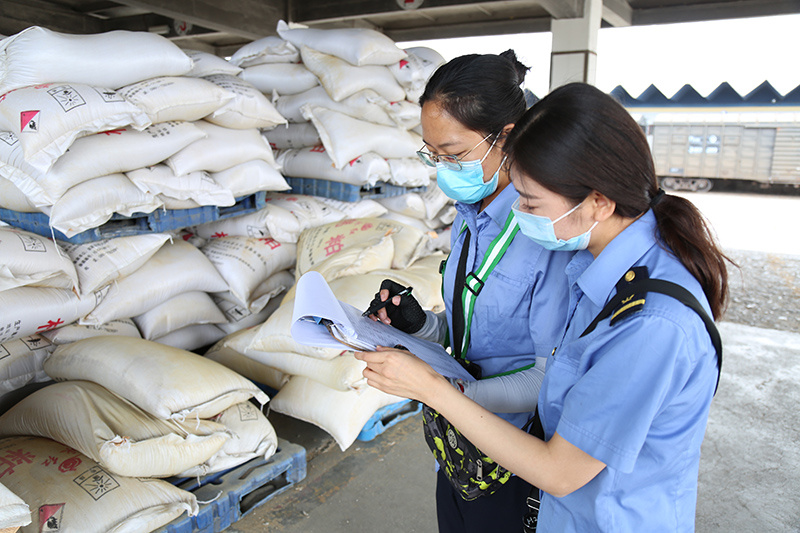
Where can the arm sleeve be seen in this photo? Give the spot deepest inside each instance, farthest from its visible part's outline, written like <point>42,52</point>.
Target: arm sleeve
<point>513,393</point>
<point>435,327</point>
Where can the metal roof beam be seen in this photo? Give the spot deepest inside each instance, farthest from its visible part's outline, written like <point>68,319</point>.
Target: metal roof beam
<point>563,9</point>
<point>472,29</point>
<point>16,15</point>
<point>252,19</point>
<point>718,10</point>
<point>617,13</point>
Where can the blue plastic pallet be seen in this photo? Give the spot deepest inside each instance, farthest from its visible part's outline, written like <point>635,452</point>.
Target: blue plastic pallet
<point>243,489</point>
<point>158,221</point>
<point>386,417</point>
<point>346,191</point>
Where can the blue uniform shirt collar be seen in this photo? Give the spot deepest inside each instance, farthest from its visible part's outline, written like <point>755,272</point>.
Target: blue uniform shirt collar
<point>598,280</point>
<point>498,210</point>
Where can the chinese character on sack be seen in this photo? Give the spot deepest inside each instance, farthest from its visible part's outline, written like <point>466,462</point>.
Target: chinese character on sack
<point>272,243</point>
<point>334,244</point>
<point>13,459</point>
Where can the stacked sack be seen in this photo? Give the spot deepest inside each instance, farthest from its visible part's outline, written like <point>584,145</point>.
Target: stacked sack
<point>81,439</point>
<point>87,134</point>
<point>325,386</point>
<point>350,119</point>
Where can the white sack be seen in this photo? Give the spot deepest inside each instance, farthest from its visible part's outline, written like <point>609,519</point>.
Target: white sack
<point>248,109</point>
<point>250,177</point>
<point>175,268</point>
<point>68,491</point>
<point>245,366</point>
<point>314,162</point>
<point>192,337</point>
<point>345,138</point>
<point>11,197</point>
<point>222,149</point>
<point>176,98</point>
<point>21,174</point>
<point>266,291</point>
<point>270,49</point>
<point>418,67</point>
<point>282,78</point>
<point>120,150</point>
<point>112,431</point>
<point>244,262</point>
<point>75,332</point>
<point>435,199</point>
<point>405,114</point>
<point>240,317</point>
<point>205,64</point>
<point>308,211</point>
<point>274,335</point>
<point>186,309</point>
<point>14,512</point>
<point>364,208</point>
<point>164,381</point>
<point>101,262</point>
<point>28,310</point>
<point>357,46</point>
<point>92,203</point>
<point>341,79</point>
<point>407,221</point>
<point>365,105</point>
<point>341,414</point>
<point>318,244</point>
<point>292,136</point>
<point>21,362</point>
<point>252,436</point>
<point>113,59</point>
<point>252,225</point>
<point>343,372</point>
<point>48,118</point>
<point>33,260</point>
<point>197,186</point>
<point>410,204</point>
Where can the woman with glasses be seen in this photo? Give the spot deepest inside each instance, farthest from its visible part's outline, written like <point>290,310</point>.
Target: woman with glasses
<point>626,393</point>
<point>505,295</point>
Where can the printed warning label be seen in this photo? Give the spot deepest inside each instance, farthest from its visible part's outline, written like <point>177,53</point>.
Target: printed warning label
<point>31,243</point>
<point>247,411</point>
<point>96,482</point>
<point>29,121</point>
<point>8,138</point>
<point>67,97</point>
<point>109,95</point>
<point>50,517</point>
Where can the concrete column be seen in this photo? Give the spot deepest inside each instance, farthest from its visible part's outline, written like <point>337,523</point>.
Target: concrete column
<point>574,52</point>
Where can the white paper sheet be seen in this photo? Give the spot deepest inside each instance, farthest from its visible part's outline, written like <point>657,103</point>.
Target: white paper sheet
<point>315,301</point>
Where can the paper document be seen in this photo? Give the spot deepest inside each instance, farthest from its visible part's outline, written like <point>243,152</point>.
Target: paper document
<point>319,319</point>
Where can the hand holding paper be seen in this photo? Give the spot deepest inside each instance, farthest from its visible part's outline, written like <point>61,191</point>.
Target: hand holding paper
<point>319,319</point>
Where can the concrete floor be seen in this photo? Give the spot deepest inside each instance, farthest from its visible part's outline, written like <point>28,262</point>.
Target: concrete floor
<point>749,474</point>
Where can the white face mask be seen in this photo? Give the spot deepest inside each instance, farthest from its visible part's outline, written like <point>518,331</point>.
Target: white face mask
<point>540,230</point>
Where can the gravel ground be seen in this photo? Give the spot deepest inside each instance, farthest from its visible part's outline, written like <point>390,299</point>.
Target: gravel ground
<point>764,290</point>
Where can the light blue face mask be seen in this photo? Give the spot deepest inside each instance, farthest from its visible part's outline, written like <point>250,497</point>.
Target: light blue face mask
<point>540,230</point>
<point>467,185</point>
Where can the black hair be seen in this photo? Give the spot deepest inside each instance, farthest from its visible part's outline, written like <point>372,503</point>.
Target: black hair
<point>578,139</point>
<point>481,91</point>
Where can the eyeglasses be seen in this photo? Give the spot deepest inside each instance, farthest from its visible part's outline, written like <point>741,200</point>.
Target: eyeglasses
<point>452,162</point>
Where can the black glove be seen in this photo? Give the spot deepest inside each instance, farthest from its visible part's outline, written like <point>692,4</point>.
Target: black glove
<point>408,316</point>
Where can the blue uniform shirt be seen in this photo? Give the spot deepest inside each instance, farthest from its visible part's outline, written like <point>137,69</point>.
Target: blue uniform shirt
<point>521,309</point>
<point>635,395</point>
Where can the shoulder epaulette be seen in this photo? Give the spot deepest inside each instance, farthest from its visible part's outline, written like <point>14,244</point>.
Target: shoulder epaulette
<point>631,303</point>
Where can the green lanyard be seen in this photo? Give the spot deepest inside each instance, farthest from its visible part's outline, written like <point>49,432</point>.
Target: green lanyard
<point>475,280</point>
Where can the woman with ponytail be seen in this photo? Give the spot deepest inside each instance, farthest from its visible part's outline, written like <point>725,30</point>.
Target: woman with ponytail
<point>469,106</point>
<point>625,399</point>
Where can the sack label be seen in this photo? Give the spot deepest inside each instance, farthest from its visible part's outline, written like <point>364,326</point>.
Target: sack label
<point>31,243</point>
<point>67,97</point>
<point>50,517</point>
<point>96,482</point>
<point>28,122</point>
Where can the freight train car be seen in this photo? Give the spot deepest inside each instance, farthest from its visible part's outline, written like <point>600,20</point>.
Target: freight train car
<point>723,141</point>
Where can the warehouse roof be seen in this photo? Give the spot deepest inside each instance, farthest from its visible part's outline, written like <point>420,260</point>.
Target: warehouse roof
<point>723,95</point>
<point>223,27</point>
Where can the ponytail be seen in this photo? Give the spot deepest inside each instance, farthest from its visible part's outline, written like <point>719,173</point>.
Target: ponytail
<point>686,233</point>
<point>578,139</point>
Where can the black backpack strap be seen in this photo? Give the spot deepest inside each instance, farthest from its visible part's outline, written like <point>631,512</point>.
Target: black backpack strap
<point>632,289</point>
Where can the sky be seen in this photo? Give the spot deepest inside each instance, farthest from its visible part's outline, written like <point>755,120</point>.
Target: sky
<point>743,52</point>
